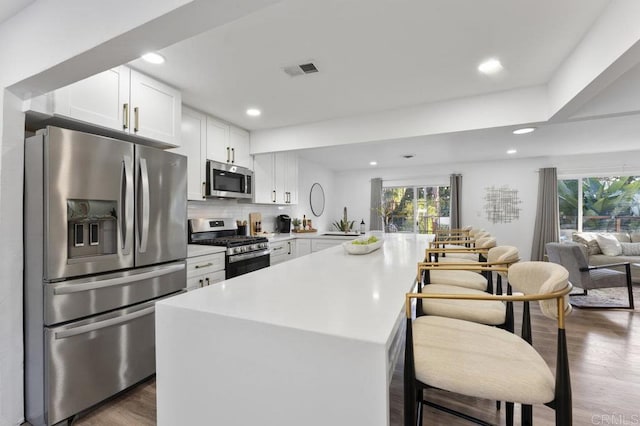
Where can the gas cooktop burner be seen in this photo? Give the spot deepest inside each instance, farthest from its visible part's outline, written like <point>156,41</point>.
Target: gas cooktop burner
<point>231,241</point>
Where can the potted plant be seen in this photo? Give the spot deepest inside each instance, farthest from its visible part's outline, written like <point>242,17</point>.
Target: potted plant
<point>296,223</point>
<point>344,225</point>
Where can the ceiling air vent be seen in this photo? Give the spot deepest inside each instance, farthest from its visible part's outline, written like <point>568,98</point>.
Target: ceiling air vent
<point>296,70</point>
<point>308,68</point>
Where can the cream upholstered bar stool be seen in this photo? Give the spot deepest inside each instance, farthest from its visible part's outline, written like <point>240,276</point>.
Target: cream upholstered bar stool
<point>497,256</point>
<point>464,278</point>
<point>489,312</point>
<point>459,253</point>
<point>511,369</point>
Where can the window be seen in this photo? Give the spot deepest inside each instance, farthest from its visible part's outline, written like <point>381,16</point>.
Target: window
<point>419,209</point>
<point>599,204</point>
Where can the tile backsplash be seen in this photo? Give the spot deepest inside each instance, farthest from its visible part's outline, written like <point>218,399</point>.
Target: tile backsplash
<point>237,211</point>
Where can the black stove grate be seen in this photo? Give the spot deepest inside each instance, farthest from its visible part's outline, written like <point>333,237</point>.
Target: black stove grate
<point>230,241</point>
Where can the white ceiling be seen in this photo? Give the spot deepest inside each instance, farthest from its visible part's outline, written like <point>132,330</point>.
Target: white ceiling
<point>8,8</point>
<point>373,55</point>
<point>386,55</point>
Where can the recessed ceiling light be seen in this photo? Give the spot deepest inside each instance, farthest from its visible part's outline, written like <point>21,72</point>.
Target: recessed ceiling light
<point>153,58</point>
<point>511,151</point>
<point>524,130</point>
<point>490,66</point>
<point>253,112</point>
<point>373,163</point>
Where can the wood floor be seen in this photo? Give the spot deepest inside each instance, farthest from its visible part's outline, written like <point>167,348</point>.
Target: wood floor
<point>604,350</point>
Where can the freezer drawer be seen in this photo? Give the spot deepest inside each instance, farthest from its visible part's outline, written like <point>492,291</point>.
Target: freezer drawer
<point>88,361</point>
<point>79,298</point>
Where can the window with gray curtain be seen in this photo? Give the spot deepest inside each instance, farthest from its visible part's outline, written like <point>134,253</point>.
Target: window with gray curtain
<point>547,224</point>
<point>456,190</point>
<point>375,220</point>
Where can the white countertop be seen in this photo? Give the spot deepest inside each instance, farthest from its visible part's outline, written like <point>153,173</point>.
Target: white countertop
<point>330,292</point>
<point>202,250</point>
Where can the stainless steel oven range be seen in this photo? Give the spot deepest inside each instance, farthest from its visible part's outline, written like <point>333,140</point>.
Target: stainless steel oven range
<point>244,253</point>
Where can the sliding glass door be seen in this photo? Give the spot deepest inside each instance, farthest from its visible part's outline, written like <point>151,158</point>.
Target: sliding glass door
<point>419,209</point>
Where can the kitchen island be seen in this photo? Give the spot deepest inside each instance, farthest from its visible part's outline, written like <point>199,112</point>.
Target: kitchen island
<point>311,341</point>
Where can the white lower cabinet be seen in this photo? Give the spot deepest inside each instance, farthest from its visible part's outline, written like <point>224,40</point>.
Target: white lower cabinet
<point>303,247</point>
<point>282,251</point>
<point>312,245</point>
<point>321,244</point>
<point>204,270</point>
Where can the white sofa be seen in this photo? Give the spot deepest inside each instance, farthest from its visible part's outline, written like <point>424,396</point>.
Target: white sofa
<point>600,250</point>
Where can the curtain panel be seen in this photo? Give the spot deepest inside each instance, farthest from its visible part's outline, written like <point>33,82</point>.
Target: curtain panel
<point>375,220</point>
<point>455,186</point>
<point>547,224</point>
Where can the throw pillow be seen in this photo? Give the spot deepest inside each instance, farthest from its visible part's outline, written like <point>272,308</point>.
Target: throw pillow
<point>589,240</point>
<point>630,249</point>
<point>609,245</point>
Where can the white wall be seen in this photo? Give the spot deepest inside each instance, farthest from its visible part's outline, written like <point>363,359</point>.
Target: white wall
<point>308,174</point>
<point>11,173</point>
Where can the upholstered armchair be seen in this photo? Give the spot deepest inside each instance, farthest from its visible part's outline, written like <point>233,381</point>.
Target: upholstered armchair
<point>587,277</point>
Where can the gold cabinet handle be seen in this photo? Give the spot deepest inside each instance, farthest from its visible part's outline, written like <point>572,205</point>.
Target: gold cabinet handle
<point>204,266</point>
<point>208,282</point>
<point>273,195</point>
<point>233,155</point>
<point>204,189</point>
<point>125,116</point>
<point>201,283</point>
<point>136,119</point>
<point>228,155</point>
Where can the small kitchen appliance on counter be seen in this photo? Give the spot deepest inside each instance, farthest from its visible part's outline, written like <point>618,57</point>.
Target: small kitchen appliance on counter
<point>244,253</point>
<point>283,224</point>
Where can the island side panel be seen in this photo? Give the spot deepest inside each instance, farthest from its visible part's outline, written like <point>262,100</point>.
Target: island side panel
<point>218,370</point>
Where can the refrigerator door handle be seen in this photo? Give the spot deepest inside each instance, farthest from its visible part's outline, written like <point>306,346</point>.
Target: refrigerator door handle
<point>144,220</point>
<point>126,207</point>
<point>103,324</point>
<point>69,287</point>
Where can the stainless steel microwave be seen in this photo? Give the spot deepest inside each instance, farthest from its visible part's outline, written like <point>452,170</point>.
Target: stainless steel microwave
<point>228,181</point>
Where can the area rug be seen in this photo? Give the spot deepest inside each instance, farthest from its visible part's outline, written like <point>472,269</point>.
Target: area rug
<point>615,297</point>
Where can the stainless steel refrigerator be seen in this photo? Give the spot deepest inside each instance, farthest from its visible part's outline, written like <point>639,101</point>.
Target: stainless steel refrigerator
<point>105,238</point>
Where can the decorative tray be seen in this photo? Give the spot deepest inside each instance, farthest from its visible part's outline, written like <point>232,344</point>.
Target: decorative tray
<point>304,231</point>
<point>351,248</point>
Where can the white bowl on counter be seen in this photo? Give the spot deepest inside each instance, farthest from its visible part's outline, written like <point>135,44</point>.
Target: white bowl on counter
<point>351,248</point>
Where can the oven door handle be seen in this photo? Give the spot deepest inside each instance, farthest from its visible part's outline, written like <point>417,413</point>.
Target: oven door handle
<point>239,257</point>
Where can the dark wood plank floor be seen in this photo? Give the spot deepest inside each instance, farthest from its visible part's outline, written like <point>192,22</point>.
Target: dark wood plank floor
<point>604,350</point>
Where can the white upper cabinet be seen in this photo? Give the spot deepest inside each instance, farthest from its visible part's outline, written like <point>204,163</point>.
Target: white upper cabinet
<point>194,146</point>
<point>155,109</point>
<point>289,187</point>
<point>264,179</point>
<point>240,143</point>
<point>123,100</point>
<point>276,178</point>
<point>227,143</point>
<point>99,99</point>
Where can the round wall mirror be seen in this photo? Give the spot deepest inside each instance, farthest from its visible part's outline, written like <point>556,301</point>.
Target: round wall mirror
<point>316,198</point>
